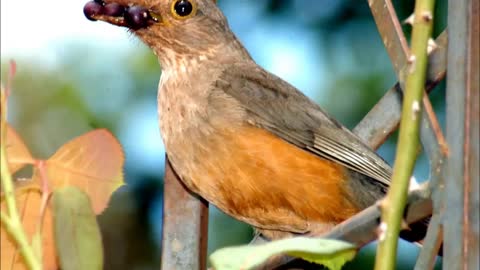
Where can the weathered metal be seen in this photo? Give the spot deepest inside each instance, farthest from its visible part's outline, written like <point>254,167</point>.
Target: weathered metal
<point>437,152</point>
<point>185,226</point>
<point>391,32</point>
<point>383,118</point>
<point>431,245</point>
<point>361,229</point>
<point>472,141</point>
<point>461,217</point>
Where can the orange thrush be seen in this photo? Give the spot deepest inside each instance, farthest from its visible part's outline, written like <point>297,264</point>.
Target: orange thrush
<point>241,137</point>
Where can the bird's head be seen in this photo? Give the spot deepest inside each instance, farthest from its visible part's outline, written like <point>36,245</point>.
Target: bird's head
<point>172,28</point>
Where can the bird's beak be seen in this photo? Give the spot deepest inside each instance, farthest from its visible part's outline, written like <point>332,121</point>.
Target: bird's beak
<point>118,13</point>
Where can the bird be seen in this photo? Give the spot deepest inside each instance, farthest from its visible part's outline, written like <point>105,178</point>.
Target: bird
<point>241,137</point>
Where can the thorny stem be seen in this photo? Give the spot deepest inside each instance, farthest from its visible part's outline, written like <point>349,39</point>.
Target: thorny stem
<point>393,205</point>
<point>12,222</point>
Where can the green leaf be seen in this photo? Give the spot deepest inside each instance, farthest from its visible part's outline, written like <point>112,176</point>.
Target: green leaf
<point>330,253</point>
<point>77,236</point>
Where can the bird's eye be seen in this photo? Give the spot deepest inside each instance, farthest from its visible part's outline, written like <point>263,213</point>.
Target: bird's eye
<point>183,8</point>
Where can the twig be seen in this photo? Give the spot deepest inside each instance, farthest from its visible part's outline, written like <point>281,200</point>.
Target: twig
<point>393,205</point>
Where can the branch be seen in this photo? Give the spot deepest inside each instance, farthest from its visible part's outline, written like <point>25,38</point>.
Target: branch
<point>393,205</point>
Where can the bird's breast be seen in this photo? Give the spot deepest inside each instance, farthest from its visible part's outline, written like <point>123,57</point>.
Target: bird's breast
<point>185,121</point>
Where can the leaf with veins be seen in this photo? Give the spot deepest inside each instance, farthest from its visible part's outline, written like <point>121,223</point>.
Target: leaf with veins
<point>92,162</point>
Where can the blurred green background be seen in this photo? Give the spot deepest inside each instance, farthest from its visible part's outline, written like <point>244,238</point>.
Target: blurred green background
<point>75,75</point>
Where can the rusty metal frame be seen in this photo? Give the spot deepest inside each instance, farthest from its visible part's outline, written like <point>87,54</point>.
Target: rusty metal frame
<point>461,217</point>
<point>186,216</point>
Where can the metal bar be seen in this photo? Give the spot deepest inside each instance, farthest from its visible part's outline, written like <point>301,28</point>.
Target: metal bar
<point>431,135</point>
<point>462,201</point>
<point>361,229</point>
<point>431,132</point>
<point>472,142</point>
<point>185,226</point>
<point>391,32</point>
<point>394,40</point>
<point>384,117</point>
<point>431,245</point>
<point>437,151</point>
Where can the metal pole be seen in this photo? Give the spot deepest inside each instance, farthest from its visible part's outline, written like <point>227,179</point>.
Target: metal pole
<point>185,226</point>
<point>461,219</point>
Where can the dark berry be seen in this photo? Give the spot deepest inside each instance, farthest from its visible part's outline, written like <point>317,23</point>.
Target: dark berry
<point>114,10</point>
<point>183,8</point>
<point>137,17</point>
<point>91,9</point>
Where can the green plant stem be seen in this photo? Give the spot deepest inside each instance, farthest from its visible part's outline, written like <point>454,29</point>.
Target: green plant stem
<point>12,222</point>
<point>393,205</point>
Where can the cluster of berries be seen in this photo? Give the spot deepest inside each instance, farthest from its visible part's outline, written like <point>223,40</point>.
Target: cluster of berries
<point>134,17</point>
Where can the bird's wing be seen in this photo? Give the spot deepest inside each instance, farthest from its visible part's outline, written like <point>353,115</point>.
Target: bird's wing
<point>275,105</point>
